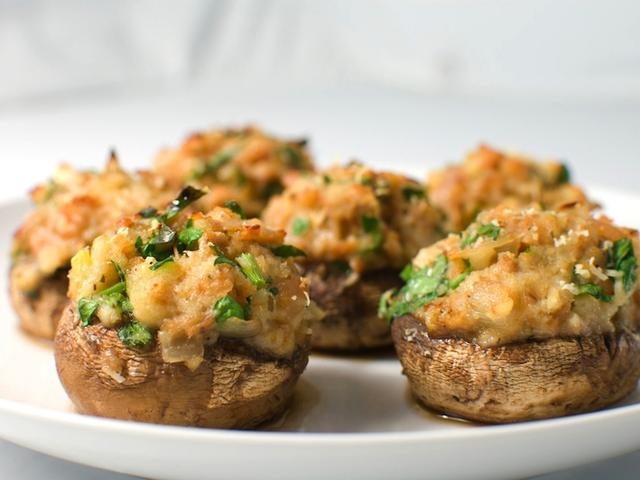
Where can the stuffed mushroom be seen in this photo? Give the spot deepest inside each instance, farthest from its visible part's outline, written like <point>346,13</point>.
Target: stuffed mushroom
<point>246,166</point>
<point>527,314</point>
<point>358,227</point>
<point>489,177</point>
<point>71,210</point>
<point>185,318</point>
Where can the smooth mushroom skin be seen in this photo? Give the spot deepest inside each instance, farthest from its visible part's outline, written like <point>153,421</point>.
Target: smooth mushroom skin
<point>520,381</point>
<point>39,311</point>
<point>234,387</point>
<point>351,320</point>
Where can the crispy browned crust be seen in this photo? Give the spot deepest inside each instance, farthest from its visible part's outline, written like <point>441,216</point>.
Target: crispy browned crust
<point>351,319</point>
<point>40,310</point>
<point>234,387</point>
<point>524,381</point>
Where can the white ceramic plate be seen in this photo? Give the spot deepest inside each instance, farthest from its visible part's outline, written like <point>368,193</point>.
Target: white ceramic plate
<point>352,418</point>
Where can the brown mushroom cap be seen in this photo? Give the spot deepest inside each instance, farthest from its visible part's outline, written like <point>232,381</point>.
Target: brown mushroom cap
<point>40,311</point>
<point>520,381</point>
<point>351,319</point>
<point>234,387</point>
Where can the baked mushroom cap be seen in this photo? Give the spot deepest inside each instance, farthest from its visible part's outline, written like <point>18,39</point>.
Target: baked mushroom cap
<point>358,227</point>
<point>519,381</point>
<point>185,318</point>
<point>39,310</point>
<point>244,165</point>
<point>70,210</point>
<point>235,386</point>
<point>349,304</point>
<point>526,314</point>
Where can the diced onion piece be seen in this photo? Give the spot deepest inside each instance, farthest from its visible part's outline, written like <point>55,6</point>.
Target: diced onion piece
<point>237,328</point>
<point>190,351</point>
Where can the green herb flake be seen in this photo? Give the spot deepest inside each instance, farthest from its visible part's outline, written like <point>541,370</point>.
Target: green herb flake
<point>87,308</point>
<point>119,269</point>
<point>115,296</point>
<point>339,267</point>
<point>251,269</point>
<point>272,188</point>
<point>274,291</point>
<point>407,272</point>
<point>622,257</point>
<point>186,197</point>
<point>221,258</point>
<point>188,237</point>
<point>595,291</point>
<point>286,251</point>
<point>455,283</point>
<point>227,307</point>
<point>135,335</point>
<point>161,263</point>
<point>300,225</point>
<point>235,208</point>
<point>292,157</point>
<point>488,230</point>
<point>211,166</point>
<point>422,286</point>
<point>371,226</point>
<point>160,246</point>
<point>148,212</point>
<point>410,192</point>
<point>564,176</point>
<point>113,289</point>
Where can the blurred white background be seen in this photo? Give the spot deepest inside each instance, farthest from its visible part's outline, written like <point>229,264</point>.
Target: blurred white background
<point>585,49</point>
<point>406,84</point>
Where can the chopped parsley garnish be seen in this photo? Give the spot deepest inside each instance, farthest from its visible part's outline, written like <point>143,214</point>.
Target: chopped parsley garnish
<point>455,283</point>
<point>339,267</point>
<point>227,307</point>
<point>371,226</point>
<point>160,246</point>
<point>564,175</point>
<point>221,257</point>
<point>251,269</point>
<point>119,270</point>
<point>161,263</point>
<point>367,181</point>
<point>486,230</point>
<point>87,308</point>
<point>594,290</point>
<point>300,225</point>
<point>235,208</point>
<point>286,251</point>
<point>291,156</point>
<point>410,192</point>
<point>422,286</point>
<point>188,237</point>
<point>272,188</point>
<point>148,212</point>
<point>622,258</point>
<point>214,163</point>
<point>114,297</point>
<point>274,291</point>
<point>186,197</point>
<point>135,335</point>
